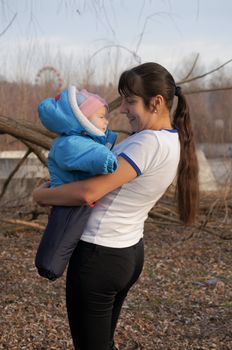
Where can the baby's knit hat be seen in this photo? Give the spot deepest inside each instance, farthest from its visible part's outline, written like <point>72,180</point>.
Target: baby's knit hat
<point>83,105</point>
<point>90,103</point>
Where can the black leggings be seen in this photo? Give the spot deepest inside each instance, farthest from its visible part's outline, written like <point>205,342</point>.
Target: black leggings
<point>98,280</point>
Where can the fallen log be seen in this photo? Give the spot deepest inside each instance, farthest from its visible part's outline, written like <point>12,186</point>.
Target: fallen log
<point>21,132</point>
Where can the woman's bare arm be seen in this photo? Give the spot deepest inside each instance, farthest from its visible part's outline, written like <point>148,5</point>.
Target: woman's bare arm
<point>86,191</point>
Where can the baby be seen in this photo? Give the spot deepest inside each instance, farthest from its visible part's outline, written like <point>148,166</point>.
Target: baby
<point>82,150</point>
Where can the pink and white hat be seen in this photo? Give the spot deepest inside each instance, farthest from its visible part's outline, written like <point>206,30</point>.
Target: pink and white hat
<point>84,104</point>
<point>90,103</point>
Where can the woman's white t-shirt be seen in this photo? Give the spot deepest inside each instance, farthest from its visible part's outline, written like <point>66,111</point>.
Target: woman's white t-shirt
<point>117,220</point>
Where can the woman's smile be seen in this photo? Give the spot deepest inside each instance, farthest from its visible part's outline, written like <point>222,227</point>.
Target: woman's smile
<point>131,118</point>
<point>134,122</point>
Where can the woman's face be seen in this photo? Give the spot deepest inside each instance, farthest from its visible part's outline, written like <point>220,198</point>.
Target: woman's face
<point>138,115</point>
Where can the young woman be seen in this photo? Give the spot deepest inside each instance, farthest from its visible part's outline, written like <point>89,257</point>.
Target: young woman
<point>109,258</point>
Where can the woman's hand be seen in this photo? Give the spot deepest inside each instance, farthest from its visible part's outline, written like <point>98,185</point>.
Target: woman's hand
<point>36,192</point>
<point>85,192</point>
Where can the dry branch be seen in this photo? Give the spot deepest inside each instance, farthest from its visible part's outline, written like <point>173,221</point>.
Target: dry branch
<point>37,151</point>
<point>164,216</point>
<point>192,68</point>
<point>6,183</point>
<point>208,90</point>
<point>9,24</point>
<point>115,103</point>
<point>23,223</point>
<point>205,74</point>
<point>111,46</point>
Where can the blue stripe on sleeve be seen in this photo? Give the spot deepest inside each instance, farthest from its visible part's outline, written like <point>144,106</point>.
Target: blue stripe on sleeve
<point>170,130</point>
<point>131,162</point>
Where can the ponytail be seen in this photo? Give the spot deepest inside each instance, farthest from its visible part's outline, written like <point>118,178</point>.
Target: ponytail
<point>187,175</point>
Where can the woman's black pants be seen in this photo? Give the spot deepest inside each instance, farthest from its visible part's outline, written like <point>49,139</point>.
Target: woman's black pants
<point>98,280</point>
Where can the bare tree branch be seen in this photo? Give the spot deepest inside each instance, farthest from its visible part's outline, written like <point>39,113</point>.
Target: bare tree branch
<point>134,54</point>
<point>208,90</point>
<point>147,19</point>
<point>205,74</point>
<point>198,10</point>
<point>36,150</point>
<point>192,68</point>
<point>115,103</point>
<point>23,223</point>
<point>31,148</point>
<point>8,25</point>
<point>6,183</point>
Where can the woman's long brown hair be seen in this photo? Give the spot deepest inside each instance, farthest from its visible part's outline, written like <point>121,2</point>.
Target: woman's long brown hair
<point>187,177</point>
<point>148,80</point>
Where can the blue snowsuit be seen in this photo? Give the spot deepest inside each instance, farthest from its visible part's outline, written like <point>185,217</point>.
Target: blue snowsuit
<point>77,154</point>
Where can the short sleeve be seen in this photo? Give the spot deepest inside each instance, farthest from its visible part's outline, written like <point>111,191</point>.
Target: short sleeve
<point>141,151</point>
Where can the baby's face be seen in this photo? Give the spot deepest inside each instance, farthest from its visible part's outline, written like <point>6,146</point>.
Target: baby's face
<point>99,119</point>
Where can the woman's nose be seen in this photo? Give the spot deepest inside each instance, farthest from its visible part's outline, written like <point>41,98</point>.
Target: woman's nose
<point>123,108</point>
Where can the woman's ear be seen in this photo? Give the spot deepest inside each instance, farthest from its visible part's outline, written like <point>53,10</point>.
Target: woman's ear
<point>155,103</point>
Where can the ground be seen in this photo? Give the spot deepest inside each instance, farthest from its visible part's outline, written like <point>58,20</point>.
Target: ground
<point>182,301</point>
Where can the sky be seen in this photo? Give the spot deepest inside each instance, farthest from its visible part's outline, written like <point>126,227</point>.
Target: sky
<point>104,37</point>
